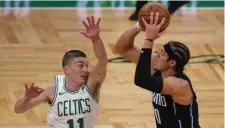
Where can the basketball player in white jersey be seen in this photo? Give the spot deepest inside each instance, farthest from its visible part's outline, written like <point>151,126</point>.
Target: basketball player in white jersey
<point>73,98</point>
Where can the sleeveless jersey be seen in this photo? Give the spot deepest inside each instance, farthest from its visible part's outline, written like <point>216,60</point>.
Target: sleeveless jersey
<point>169,114</point>
<point>71,109</point>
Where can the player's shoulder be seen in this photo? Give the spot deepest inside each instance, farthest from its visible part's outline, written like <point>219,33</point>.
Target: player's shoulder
<point>59,77</point>
<point>49,87</point>
<point>179,84</point>
<point>181,81</point>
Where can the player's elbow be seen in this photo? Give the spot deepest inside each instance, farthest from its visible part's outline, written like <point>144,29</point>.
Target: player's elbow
<point>103,61</point>
<point>119,49</point>
<point>138,78</point>
<point>18,111</point>
<point>138,81</point>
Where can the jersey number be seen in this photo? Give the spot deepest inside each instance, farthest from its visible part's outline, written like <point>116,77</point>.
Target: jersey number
<point>157,116</point>
<point>80,121</point>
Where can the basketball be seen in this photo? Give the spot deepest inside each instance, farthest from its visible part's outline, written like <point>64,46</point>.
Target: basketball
<point>154,7</point>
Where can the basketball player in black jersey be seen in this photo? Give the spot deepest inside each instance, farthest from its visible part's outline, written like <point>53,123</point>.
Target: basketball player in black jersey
<point>173,98</point>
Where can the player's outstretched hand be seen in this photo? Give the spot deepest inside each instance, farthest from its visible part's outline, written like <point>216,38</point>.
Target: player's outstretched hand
<point>92,29</point>
<point>153,28</point>
<point>32,91</point>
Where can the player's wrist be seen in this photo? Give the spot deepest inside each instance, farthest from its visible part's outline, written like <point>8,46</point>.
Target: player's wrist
<point>149,40</point>
<point>138,27</point>
<point>96,38</point>
<point>26,98</point>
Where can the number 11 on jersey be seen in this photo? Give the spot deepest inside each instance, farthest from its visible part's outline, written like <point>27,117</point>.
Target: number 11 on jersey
<point>80,121</point>
<point>157,116</point>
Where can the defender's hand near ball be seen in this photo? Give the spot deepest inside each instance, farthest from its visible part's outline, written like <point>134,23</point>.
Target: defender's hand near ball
<point>153,29</point>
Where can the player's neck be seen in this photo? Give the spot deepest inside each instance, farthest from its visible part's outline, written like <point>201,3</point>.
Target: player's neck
<point>72,85</point>
<point>167,73</point>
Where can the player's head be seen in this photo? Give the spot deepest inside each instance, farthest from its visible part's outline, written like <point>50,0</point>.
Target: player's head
<point>173,55</point>
<point>75,65</point>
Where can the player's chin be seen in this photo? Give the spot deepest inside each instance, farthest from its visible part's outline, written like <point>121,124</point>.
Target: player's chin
<point>83,80</point>
<point>155,67</point>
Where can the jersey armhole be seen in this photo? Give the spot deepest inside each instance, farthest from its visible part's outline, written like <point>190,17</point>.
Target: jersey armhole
<point>56,91</point>
<point>89,91</point>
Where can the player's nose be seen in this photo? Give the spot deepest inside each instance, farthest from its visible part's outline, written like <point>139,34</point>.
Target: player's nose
<point>85,69</point>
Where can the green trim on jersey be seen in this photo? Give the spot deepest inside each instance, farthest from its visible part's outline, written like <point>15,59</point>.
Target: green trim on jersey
<point>67,90</point>
<point>56,90</point>
<point>89,91</point>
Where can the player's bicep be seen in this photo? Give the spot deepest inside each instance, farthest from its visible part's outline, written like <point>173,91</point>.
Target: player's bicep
<point>97,75</point>
<point>132,54</point>
<point>96,78</point>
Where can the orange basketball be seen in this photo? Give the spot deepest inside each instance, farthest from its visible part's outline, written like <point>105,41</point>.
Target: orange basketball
<point>154,7</point>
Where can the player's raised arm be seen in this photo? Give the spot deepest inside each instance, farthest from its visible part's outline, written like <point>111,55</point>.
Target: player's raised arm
<point>125,44</point>
<point>143,77</point>
<point>98,73</point>
<point>33,96</point>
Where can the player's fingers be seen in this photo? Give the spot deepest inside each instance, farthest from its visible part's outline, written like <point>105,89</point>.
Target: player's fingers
<point>40,90</point>
<point>26,87</point>
<point>89,21</point>
<point>145,23</point>
<point>84,33</point>
<point>156,18</point>
<point>151,18</point>
<point>92,20</point>
<point>85,24</point>
<point>162,22</point>
<point>98,22</point>
<point>32,85</point>
<point>35,87</point>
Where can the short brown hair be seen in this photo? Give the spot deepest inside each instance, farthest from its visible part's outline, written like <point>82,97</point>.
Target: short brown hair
<point>68,56</point>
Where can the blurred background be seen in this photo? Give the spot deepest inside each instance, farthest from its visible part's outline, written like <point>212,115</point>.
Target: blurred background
<point>34,35</point>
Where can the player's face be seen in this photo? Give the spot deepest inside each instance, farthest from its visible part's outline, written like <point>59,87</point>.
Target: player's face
<point>78,69</point>
<point>162,63</point>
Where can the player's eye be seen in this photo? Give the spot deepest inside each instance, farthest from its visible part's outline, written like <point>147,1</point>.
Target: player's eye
<point>80,65</point>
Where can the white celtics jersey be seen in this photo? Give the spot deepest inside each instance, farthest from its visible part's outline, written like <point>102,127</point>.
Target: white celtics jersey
<point>72,109</point>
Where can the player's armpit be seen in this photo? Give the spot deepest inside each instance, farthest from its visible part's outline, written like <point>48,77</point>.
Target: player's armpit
<point>97,77</point>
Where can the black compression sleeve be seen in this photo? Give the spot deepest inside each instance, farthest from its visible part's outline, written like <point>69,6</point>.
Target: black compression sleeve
<point>143,76</point>
<point>143,66</point>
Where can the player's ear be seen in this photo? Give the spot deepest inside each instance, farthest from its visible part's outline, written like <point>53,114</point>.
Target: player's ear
<point>172,63</point>
<point>66,69</point>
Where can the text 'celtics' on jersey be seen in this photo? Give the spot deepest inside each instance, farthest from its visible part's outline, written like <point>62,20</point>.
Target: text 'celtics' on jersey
<point>72,109</point>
